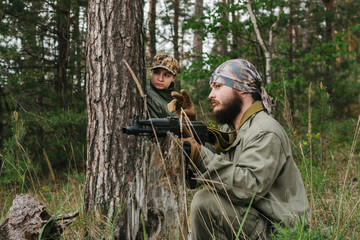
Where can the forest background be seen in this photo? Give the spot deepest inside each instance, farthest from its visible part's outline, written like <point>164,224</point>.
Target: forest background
<point>314,79</point>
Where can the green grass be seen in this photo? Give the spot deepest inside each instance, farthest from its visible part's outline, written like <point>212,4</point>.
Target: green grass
<point>332,187</point>
<point>328,159</point>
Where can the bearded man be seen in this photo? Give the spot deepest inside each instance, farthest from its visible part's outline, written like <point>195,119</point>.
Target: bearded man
<point>254,182</point>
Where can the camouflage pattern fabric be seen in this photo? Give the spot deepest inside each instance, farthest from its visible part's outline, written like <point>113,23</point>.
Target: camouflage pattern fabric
<point>240,74</point>
<point>167,62</point>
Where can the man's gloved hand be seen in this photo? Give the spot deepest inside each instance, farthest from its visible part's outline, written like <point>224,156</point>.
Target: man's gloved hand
<point>183,101</point>
<point>192,148</point>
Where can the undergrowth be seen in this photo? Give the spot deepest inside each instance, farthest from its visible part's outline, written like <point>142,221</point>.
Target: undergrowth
<point>326,151</point>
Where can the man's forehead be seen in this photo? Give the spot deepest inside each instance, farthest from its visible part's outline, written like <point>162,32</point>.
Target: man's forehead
<point>215,84</point>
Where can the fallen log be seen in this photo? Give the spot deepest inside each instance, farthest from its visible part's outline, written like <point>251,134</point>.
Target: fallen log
<point>28,219</point>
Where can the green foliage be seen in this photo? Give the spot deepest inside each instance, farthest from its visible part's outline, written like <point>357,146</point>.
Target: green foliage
<point>55,121</point>
<point>301,231</point>
<point>50,102</point>
<point>196,79</point>
<point>61,133</point>
<point>15,163</point>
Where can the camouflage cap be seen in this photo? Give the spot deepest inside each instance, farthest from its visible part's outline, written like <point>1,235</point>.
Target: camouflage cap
<point>167,62</point>
<point>240,74</point>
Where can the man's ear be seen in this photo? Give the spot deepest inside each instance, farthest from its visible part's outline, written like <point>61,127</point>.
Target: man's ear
<point>243,94</point>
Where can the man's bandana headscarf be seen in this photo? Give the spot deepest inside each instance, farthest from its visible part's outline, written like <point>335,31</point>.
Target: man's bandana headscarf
<point>241,75</point>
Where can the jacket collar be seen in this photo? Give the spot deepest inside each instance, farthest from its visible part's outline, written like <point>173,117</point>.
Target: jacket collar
<point>164,93</point>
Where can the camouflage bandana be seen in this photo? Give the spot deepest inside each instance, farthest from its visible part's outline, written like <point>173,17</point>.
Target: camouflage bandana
<point>243,76</point>
<point>167,62</point>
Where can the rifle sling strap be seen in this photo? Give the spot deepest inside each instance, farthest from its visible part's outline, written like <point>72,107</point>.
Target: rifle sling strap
<point>224,140</point>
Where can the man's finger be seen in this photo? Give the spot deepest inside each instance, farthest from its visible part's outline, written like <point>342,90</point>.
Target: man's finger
<point>185,94</point>
<point>185,131</point>
<point>177,95</point>
<point>172,105</point>
<point>186,98</point>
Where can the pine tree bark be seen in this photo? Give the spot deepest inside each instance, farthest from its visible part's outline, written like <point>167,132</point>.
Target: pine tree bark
<point>307,30</point>
<point>222,38</point>
<point>63,38</point>
<point>292,48</point>
<point>160,192</point>
<point>176,39</point>
<point>197,41</point>
<point>129,180</point>
<point>352,39</point>
<point>115,33</point>
<point>329,32</point>
<point>75,75</point>
<point>152,30</point>
<point>176,29</point>
<point>236,41</point>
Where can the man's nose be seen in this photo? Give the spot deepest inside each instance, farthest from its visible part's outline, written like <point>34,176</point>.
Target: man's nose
<point>211,95</point>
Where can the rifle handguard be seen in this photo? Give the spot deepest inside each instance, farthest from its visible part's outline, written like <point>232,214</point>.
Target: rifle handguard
<point>160,127</point>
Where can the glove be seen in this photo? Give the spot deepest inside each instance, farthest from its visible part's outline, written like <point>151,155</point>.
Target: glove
<point>192,148</point>
<point>182,101</point>
<point>188,149</point>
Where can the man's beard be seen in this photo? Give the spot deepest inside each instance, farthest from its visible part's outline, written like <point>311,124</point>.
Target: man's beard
<point>230,110</point>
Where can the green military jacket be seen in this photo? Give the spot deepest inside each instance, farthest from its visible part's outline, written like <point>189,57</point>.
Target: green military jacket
<point>157,101</point>
<point>260,160</point>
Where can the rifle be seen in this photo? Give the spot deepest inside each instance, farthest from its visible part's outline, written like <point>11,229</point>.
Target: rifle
<point>161,126</point>
<point>220,140</point>
<point>170,124</point>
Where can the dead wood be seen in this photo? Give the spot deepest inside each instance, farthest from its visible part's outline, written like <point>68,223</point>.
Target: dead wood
<point>28,219</point>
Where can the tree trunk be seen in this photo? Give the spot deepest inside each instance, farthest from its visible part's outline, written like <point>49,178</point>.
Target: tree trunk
<point>124,179</point>
<point>5,123</point>
<point>222,40</point>
<point>63,38</point>
<point>152,30</point>
<point>307,29</point>
<point>353,40</point>
<point>267,49</point>
<point>176,39</point>
<point>160,191</point>
<point>75,53</point>
<point>115,33</point>
<point>235,32</point>
<point>176,29</point>
<point>292,40</point>
<point>197,42</point>
<point>329,32</point>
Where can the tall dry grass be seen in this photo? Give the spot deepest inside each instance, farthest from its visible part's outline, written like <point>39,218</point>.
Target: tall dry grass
<point>330,169</point>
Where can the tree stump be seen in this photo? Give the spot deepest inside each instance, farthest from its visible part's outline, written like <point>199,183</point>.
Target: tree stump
<point>158,207</point>
<point>28,219</point>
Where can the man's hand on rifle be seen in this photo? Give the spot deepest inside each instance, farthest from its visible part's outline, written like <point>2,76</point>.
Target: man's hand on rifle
<point>183,101</point>
<point>191,150</point>
<point>190,145</point>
